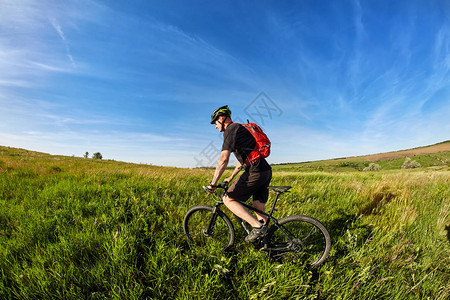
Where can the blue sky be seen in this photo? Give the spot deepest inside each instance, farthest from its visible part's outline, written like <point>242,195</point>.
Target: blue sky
<point>137,80</point>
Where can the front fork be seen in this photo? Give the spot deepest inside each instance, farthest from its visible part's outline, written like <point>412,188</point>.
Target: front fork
<point>209,232</point>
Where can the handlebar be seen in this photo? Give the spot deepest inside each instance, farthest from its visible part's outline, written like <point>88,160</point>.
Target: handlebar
<point>222,185</point>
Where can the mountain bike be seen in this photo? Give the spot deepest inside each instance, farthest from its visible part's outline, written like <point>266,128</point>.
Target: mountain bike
<point>293,238</point>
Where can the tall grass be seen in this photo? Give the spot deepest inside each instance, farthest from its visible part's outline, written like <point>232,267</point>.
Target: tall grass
<point>77,228</point>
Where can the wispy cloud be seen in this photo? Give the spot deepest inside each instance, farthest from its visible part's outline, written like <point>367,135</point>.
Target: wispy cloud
<point>355,62</point>
<point>60,32</point>
<point>178,50</point>
<point>14,83</point>
<point>26,54</point>
<point>354,73</point>
<point>54,67</point>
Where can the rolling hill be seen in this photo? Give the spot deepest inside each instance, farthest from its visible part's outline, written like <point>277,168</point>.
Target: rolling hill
<point>437,155</point>
<point>428,156</point>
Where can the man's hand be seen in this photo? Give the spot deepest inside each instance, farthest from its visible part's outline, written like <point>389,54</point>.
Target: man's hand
<point>210,189</point>
<point>235,172</point>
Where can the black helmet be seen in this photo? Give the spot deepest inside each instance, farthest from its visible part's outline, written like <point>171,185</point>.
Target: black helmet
<point>221,111</point>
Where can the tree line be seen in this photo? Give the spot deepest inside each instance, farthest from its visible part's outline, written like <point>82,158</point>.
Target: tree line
<point>96,155</point>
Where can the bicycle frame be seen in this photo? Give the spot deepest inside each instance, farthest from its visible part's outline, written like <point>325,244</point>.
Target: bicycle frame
<point>294,237</point>
<point>241,222</point>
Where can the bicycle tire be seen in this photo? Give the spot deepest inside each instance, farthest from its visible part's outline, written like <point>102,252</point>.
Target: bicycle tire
<point>312,242</point>
<point>196,222</point>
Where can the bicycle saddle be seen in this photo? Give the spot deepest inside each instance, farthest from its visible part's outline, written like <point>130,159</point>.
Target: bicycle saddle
<point>279,189</point>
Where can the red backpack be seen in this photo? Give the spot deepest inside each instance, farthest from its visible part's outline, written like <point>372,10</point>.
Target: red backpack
<point>262,147</point>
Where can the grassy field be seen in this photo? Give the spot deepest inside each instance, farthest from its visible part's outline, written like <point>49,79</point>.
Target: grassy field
<point>74,228</point>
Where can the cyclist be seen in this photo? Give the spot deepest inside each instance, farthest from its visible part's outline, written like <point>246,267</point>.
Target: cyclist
<point>253,182</point>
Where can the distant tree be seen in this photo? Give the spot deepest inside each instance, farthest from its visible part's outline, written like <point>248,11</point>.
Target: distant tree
<point>97,155</point>
<point>372,167</point>
<point>410,164</point>
<point>86,155</point>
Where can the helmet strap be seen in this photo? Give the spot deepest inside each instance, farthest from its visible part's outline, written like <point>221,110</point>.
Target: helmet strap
<point>223,123</point>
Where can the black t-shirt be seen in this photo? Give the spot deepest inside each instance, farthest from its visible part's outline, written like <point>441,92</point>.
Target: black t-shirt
<point>238,140</point>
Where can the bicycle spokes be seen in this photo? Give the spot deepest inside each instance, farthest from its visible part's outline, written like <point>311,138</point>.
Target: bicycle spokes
<point>203,227</point>
<point>299,238</point>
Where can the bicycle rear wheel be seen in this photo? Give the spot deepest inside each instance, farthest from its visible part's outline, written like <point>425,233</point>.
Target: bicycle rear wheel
<point>299,238</point>
<point>196,222</point>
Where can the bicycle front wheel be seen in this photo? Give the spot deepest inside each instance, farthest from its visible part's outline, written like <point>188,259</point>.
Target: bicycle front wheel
<point>205,228</point>
<point>299,238</point>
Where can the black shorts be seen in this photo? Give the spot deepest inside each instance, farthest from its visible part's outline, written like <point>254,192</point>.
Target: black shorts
<point>251,184</point>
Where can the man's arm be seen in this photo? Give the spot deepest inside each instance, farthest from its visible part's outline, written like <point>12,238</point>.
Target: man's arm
<point>235,172</point>
<point>222,163</point>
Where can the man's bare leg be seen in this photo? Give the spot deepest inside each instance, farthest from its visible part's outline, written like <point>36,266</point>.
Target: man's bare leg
<point>260,206</point>
<point>240,211</point>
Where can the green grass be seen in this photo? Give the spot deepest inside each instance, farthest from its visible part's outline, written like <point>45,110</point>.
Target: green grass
<point>74,228</point>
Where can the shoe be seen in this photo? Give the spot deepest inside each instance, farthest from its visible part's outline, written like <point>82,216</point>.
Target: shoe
<point>255,234</point>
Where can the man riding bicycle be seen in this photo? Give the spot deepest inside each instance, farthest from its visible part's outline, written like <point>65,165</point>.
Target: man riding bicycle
<point>253,182</point>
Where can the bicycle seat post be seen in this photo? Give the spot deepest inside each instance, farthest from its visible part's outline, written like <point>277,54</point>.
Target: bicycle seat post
<point>278,190</point>
<point>274,203</point>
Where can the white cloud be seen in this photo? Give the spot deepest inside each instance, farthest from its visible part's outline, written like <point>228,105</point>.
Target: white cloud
<point>55,67</point>
<point>60,32</point>
<point>354,68</point>
<point>15,83</point>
